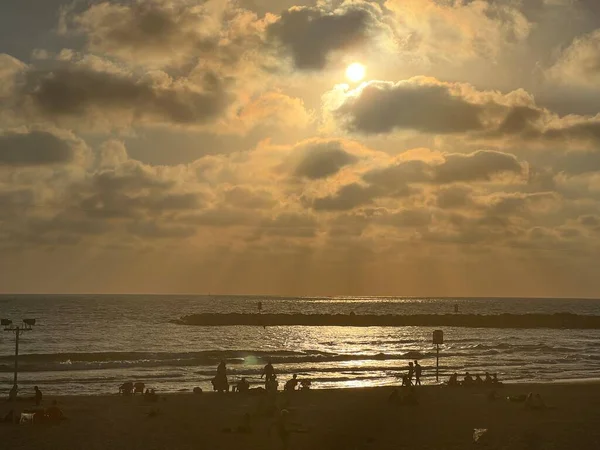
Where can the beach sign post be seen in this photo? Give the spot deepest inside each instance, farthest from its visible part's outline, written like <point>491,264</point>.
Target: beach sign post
<point>438,339</point>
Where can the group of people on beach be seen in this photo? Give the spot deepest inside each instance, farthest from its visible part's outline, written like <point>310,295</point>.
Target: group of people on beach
<point>469,380</point>
<point>52,414</point>
<point>221,383</point>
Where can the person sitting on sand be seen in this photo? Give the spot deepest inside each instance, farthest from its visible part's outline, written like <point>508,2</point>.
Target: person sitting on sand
<point>9,417</point>
<point>453,380</point>
<point>54,413</point>
<point>12,395</point>
<point>290,385</point>
<point>488,378</point>
<point>534,402</point>
<point>305,385</point>
<point>495,379</point>
<point>38,396</point>
<point>478,379</point>
<point>243,385</point>
<point>468,381</point>
<point>150,395</point>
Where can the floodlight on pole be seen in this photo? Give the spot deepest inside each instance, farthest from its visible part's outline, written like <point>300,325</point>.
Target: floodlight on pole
<point>17,329</point>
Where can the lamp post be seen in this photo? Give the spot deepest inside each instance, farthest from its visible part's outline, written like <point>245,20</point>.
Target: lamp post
<point>17,329</point>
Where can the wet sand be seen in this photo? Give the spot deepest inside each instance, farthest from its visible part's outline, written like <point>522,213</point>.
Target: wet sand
<point>349,419</point>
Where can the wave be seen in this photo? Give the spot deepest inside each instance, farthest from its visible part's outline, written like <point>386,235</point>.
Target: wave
<point>557,320</point>
<point>210,358</point>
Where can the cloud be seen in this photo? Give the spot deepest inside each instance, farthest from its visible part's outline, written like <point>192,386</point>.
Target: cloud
<point>380,107</point>
<point>35,148</point>
<point>155,33</point>
<point>75,90</point>
<point>311,35</point>
<point>456,31</point>
<point>10,69</point>
<point>323,159</point>
<point>579,63</point>
<point>429,106</point>
<point>398,179</point>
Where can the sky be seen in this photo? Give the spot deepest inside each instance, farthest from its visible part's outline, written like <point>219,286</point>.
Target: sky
<point>218,146</point>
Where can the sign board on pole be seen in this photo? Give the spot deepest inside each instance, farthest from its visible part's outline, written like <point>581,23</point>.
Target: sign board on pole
<point>438,337</point>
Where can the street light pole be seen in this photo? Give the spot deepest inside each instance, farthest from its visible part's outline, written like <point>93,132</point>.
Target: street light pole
<point>18,330</point>
<point>17,333</point>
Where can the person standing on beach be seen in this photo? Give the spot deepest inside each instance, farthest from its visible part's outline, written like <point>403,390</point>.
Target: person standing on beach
<point>269,374</point>
<point>38,396</point>
<point>411,371</point>
<point>417,373</point>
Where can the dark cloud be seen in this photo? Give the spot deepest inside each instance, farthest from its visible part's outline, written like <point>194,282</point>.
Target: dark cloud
<point>347,198</point>
<point>35,148</point>
<point>381,107</point>
<point>396,180</point>
<point>141,26</point>
<point>479,166</point>
<point>74,91</point>
<point>311,34</point>
<point>322,160</point>
<point>131,191</point>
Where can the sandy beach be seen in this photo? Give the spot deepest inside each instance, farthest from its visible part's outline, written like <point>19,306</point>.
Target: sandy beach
<point>444,418</point>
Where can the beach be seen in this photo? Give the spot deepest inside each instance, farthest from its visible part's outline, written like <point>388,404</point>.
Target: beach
<point>362,418</point>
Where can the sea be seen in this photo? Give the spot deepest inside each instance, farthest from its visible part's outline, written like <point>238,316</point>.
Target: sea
<point>90,344</point>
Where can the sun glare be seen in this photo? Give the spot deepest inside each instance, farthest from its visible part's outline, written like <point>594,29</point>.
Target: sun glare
<point>355,72</point>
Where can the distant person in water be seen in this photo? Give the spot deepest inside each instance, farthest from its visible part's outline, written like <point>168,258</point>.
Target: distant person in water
<point>418,370</point>
<point>411,371</point>
<point>38,396</point>
<point>269,374</point>
<point>290,385</point>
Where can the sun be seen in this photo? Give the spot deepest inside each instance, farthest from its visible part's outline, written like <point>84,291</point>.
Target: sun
<point>355,72</point>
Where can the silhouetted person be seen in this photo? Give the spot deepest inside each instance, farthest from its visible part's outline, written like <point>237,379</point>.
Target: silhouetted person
<point>468,381</point>
<point>418,370</point>
<point>290,385</point>
<point>488,378</point>
<point>220,382</point>
<point>54,413</point>
<point>269,374</point>
<point>38,396</point>
<point>456,308</point>
<point>453,380</point>
<point>406,381</point>
<point>12,395</point>
<point>9,417</point>
<point>495,379</point>
<point>411,371</point>
<point>478,379</point>
<point>243,385</point>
